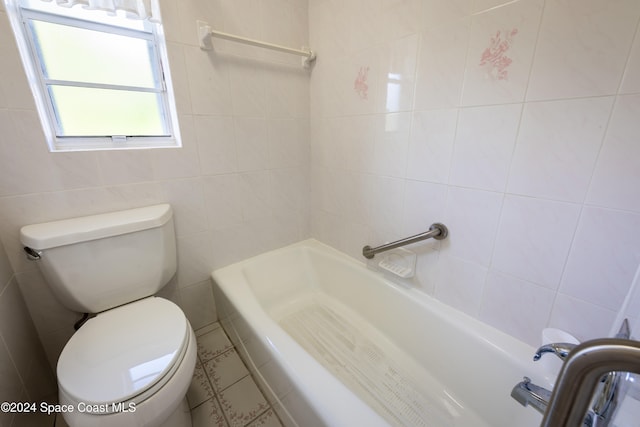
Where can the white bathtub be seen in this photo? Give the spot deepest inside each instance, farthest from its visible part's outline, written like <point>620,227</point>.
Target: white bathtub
<point>332,343</point>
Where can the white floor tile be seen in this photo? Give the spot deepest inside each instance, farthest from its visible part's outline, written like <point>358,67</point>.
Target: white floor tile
<point>200,388</point>
<point>213,344</point>
<point>242,402</point>
<point>208,414</point>
<point>268,419</point>
<point>225,370</point>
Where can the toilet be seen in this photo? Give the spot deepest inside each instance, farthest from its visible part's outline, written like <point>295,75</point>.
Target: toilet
<point>131,364</point>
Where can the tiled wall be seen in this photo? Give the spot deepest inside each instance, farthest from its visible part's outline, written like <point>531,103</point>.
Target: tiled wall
<point>513,122</point>
<point>25,374</point>
<point>238,185</point>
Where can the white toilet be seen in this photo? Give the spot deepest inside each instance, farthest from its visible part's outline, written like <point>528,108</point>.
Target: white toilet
<point>132,363</point>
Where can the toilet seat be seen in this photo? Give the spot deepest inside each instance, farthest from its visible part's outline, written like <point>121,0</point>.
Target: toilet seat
<point>124,354</point>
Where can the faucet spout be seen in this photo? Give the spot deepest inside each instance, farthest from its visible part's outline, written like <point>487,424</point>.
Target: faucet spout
<point>527,393</point>
<point>560,349</point>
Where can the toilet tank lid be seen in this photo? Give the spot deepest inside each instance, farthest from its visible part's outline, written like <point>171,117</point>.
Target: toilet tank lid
<point>82,229</point>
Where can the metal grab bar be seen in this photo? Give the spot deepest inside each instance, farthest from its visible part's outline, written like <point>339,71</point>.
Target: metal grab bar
<point>437,231</point>
<point>581,373</point>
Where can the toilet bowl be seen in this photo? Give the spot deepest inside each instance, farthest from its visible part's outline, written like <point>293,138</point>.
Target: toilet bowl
<point>144,369</point>
<point>132,362</point>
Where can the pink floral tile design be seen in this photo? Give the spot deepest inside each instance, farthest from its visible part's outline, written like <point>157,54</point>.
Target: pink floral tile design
<point>360,85</point>
<point>268,419</point>
<point>209,414</point>
<point>200,389</point>
<point>213,344</point>
<point>494,58</point>
<point>226,369</point>
<point>242,402</point>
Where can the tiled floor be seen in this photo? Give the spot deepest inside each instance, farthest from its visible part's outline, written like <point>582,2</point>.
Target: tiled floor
<point>222,393</point>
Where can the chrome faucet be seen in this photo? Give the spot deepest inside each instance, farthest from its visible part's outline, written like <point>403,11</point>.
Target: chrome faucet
<point>527,393</point>
<point>580,375</point>
<point>560,349</point>
<point>607,397</point>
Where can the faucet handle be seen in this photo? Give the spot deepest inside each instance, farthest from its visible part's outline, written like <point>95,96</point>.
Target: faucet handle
<point>624,332</point>
<point>560,349</point>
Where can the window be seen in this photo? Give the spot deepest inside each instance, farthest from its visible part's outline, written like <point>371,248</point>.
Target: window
<point>100,81</point>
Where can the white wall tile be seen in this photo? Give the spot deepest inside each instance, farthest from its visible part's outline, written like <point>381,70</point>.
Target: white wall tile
<point>19,334</point>
<point>515,306</point>
<point>614,182</point>
<point>484,5</point>
<point>125,166</point>
<point>442,13</point>
<point>557,148</point>
<point>247,83</point>
<point>391,144</point>
<point>223,201</point>
<point>289,191</point>
<point>11,387</point>
<point>195,258</point>
<point>582,48</point>
<point>359,77</point>
<point>180,162</point>
<point>287,92</point>
<point>187,14</point>
<point>533,239</point>
<point>385,196</point>
<point>431,145</point>
<point>501,50</point>
<point>216,145</point>
<point>286,142</point>
<point>631,79</point>
<point>198,304</point>
<point>472,217</point>
<point>330,30</point>
<point>402,17</point>
<point>256,191</point>
<point>179,78</point>
<point>603,258</point>
<point>426,269</point>
<point>424,204</point>
<point>187,201</point>
<point>354,142</point>
<point>244,18</point>
<point>14,86</point>
<point>441,61</point>
<point>365,19</point>
<point>484,145</point>
<point>582,319</point>
<point>208,75</point>
<point>397,71</point>
<point>252,143</point>
<point>460,284</point>
<point>6,272</point>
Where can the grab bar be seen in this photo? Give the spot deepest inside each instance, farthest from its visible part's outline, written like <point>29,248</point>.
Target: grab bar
<point>437,231</point>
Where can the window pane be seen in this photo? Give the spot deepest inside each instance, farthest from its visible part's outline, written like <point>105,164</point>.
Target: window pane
<point>79,11</point>
<point>101,112</point>
<point>77,54</point>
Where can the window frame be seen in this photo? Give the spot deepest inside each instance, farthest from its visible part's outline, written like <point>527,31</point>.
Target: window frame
<point>21,18</point>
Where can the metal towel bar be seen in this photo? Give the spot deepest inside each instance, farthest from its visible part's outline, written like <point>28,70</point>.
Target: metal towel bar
<point>437,231</point>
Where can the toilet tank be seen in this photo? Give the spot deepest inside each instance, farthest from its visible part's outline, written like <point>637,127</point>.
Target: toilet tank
<point>98,262</point>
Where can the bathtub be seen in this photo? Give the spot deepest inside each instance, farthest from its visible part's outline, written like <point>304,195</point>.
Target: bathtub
<point>333,343</point>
